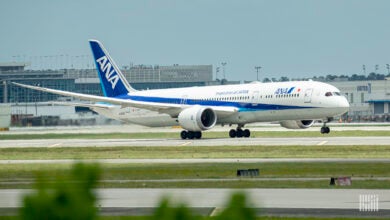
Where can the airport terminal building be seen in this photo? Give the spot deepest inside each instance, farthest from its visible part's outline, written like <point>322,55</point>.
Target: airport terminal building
<point>86,81</point>
<point>369,100</point>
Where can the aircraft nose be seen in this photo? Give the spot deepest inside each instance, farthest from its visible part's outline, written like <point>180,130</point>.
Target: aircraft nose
<point>344,104</point>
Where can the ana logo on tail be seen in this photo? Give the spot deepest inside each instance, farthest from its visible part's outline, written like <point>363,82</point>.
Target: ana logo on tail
<point>110,73</point>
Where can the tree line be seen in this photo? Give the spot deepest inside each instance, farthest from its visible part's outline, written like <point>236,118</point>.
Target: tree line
<point>330,78</point>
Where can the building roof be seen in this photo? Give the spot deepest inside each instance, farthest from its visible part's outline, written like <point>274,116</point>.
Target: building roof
<point>379,101</point>
<point>14,64</point>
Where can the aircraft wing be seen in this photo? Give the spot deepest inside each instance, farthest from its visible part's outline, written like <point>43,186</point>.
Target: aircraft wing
<point>171,109</point>
<point>88,105</point>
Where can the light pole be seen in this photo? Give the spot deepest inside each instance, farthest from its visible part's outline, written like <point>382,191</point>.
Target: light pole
<point>388,72</point>
<point>257,71</point>
<point>216,73</point>
<point>223,69</point>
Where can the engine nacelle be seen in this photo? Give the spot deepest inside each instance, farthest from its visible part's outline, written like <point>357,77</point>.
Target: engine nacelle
<point>197,118</point>
<point>301,124</point>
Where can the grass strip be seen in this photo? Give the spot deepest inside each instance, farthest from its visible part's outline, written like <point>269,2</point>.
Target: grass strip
<point>181,152</point>
<point>18,173</point>
<point>206,218</point>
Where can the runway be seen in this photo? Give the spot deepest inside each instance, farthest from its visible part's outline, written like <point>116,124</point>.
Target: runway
<point>131,128</point>
<point>321,200</point>
<point>382,140</point>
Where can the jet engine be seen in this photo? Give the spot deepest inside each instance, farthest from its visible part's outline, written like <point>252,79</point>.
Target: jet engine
<point>197,118</point>
<point>300,124</point>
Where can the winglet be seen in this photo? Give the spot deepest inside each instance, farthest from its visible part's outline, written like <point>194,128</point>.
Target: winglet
<point>112,80</point>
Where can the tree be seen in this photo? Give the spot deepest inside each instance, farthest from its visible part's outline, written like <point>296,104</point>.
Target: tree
<point>237,209</point>
<point>167,212</point>
<point>284,79</point>
<point>70,196</point>
<point>265,80</point>
<point>224,82</point>
<point>330,77</point>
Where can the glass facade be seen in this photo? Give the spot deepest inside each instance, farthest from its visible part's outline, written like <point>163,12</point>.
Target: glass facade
<point>175,73</point>
<point>86,81</point>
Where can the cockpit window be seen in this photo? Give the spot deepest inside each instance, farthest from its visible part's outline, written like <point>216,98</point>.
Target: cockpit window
<point>332,94</point>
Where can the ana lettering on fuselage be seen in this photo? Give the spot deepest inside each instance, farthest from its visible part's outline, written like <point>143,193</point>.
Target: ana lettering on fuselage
<point>282,91</point>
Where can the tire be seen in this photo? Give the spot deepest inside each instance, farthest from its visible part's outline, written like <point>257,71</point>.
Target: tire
<point>247,133</point>
<point>190,135</point>
<point>240,133</point>
<point>198,135</point>
<point>232,133</point>
<point>183,135</point>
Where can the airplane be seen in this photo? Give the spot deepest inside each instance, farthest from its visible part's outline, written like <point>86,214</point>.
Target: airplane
<point>295,104</point>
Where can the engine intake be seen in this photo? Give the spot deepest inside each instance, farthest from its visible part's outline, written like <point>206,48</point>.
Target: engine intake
<point>197,118</point>
<point>300,124</point>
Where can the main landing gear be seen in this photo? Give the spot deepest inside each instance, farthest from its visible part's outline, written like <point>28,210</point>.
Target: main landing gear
<point>191,134</point>
<point>239,133</point>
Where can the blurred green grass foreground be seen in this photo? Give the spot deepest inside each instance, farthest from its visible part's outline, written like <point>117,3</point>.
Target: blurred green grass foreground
<point>72,197</point>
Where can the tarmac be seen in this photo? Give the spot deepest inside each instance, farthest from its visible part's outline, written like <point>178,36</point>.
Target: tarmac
<point>381,140</point>
<point>270,202</point>
<point>296,202</point>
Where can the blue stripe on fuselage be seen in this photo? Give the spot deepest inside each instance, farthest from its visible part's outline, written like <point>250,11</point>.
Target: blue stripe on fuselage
<point>242,106</point>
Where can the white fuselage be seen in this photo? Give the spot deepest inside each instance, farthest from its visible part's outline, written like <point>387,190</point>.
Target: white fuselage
<point>256,102</point>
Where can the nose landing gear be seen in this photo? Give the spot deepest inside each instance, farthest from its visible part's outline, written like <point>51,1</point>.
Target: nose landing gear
<point>325,129</point>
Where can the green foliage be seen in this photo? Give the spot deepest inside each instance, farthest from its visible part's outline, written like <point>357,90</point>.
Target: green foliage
<point>167,212</point>
<point>70,196</point>
<point>237,209</point>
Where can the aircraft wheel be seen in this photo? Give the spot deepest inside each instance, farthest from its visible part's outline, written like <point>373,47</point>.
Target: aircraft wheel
<point>240,133</point>
<point>247,133</point>
<point>325,130</point>
<point>198,134</point>
<point>190,135</point>
<point>232,133</point>
<point>183,135</point>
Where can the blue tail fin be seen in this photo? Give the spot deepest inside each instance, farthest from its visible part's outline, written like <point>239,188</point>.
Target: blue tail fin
<point>112,80</point>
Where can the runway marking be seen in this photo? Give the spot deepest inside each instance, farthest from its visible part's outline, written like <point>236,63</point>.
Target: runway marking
<point>55,145</point>
<point>322,143</point>
<point>216,211</point>
<point>186,143</point>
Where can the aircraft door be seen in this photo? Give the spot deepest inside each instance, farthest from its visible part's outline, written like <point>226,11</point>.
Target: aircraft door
<point>308,94</point>
<point>255,98</point>
<point>183,100</point>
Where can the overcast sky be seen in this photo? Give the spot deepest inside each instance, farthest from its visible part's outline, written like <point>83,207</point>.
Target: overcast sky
<point>286,38</point>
